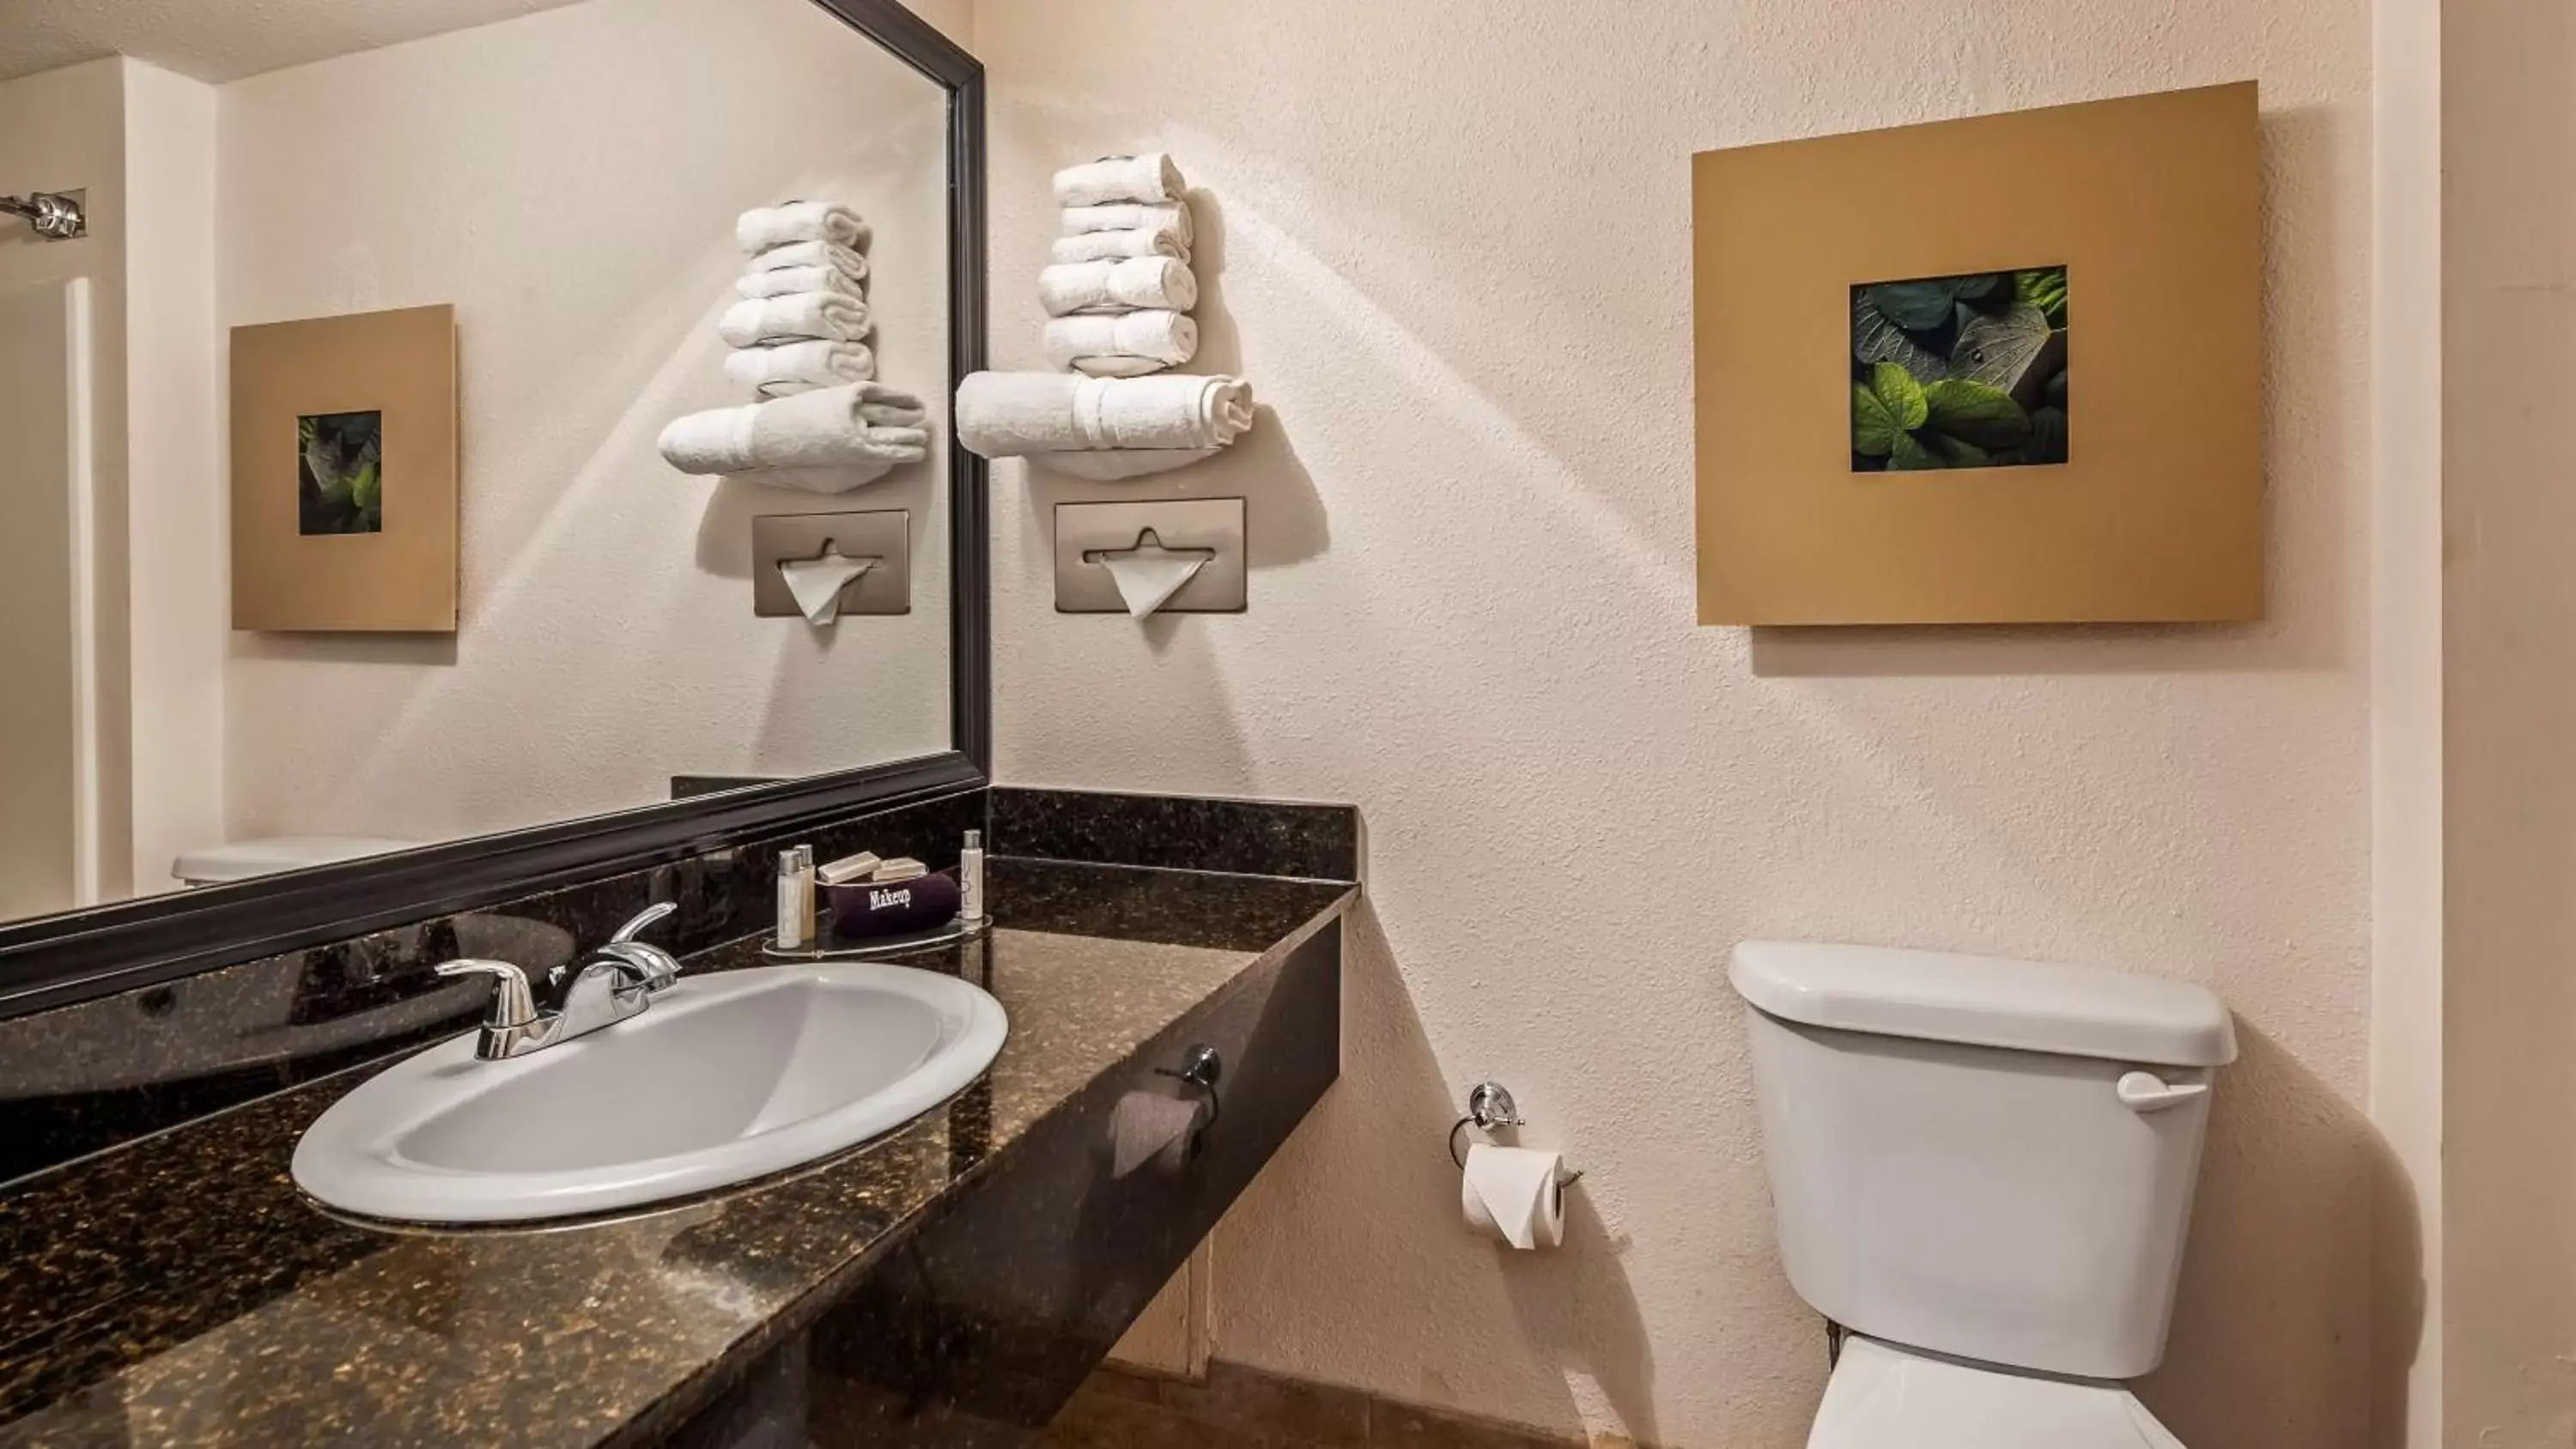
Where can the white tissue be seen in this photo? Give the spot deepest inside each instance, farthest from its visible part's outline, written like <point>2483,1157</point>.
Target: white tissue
<point>1511,1193</point>
<point>817,582</point>
<point>1147,578</point>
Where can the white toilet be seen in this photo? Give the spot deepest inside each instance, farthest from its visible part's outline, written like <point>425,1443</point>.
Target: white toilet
<point>1982,1169</point>
<point>250,859</point>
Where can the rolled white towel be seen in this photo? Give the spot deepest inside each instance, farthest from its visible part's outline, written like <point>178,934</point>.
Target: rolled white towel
<point>1110,246</point>
<point>827,428</point>
<point>849,263</point>
<point>754,321</point>
<point>764,227</point>
<point>792,367</point>
<point>1117,465</point>
<point>1119,178</point>
<point>1122,344</point>
<point>1016,414</point>
<point>1171,216</point>
<point>1121,286</point>
<point>786,280</point>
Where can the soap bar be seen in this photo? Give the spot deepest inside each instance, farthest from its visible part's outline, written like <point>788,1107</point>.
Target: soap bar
<point>861,909</point>
<point>848,868</point>
<point>902,867</point>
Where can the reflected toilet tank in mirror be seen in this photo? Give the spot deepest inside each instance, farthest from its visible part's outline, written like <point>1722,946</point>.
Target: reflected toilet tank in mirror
<point>568,180</point>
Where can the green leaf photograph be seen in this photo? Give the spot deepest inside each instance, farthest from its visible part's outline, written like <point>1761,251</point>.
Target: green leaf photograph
<point>339,484</point>
<point>1959,372</point>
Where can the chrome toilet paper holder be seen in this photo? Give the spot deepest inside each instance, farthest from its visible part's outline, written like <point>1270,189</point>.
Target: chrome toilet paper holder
<point>1490,1108</point>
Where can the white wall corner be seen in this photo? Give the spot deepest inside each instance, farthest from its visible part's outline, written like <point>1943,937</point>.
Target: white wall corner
<point>2406,707</point>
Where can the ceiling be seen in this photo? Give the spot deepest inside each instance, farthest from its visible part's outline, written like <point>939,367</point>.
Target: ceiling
<point>222,40</point>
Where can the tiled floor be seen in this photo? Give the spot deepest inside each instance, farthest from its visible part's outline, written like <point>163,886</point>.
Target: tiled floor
<point>1239,1408</point>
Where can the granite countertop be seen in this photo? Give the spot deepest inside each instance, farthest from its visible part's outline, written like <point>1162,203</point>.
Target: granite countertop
<point>180,1291</point>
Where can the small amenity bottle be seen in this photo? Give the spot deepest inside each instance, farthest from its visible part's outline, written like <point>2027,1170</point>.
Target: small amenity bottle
<point>796,898</point>
<point>970,880</point>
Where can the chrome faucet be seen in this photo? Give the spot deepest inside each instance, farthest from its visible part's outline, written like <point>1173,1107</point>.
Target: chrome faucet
<point>610,984</point>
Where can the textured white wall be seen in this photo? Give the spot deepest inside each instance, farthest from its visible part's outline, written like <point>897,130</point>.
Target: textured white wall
<point>569,180</point>
<point>2509,1009</point>
<point>1450,244</point>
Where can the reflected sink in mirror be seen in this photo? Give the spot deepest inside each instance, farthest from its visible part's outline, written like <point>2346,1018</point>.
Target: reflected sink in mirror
<point>726,1078</point>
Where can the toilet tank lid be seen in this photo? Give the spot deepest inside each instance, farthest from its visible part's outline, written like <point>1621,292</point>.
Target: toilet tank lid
<point>245,859</point>
<point>1986,1001</point>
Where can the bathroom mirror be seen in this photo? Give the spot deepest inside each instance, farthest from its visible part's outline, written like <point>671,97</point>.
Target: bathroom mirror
<point>178,791</point>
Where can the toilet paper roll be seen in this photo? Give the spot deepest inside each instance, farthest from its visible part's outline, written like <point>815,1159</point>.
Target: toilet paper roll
<point>1148,1129</point>
<point>1511,1193</point>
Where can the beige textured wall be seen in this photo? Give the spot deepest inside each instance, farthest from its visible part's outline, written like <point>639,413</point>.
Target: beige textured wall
<point>569,180</point>
<point>1449,243</point>
<point>64,130</point>
<point>2509,296</point>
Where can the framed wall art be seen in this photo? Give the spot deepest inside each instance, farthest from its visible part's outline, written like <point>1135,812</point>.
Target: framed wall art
<point>1998,370</point>
<point>344,488</point>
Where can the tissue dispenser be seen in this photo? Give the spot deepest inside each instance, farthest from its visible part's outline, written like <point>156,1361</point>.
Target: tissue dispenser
<point>1210,526</point>
<point>883,534</point>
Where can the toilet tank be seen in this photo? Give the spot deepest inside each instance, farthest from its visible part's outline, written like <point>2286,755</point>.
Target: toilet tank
<point>1985,1158</point>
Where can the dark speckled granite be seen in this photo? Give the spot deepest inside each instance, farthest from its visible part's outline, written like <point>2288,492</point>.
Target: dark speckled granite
<point>1179,832</point>
<point>179,1291</point>
<point>81,1078</point>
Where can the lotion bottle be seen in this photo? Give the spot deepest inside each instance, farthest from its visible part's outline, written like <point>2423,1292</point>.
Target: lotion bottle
<point>970,880</point>
<point>796,898</point>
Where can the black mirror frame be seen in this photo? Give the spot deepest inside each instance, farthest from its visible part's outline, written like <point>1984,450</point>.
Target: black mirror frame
<point>77,955</point>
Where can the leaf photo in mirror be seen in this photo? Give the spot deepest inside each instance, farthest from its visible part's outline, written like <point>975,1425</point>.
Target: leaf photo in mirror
<point>1959,372</point>
<point>339,484</point>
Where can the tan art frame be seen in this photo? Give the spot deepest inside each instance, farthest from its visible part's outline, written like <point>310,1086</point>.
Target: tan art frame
<point>402,579</point>
<point>2158,514</point>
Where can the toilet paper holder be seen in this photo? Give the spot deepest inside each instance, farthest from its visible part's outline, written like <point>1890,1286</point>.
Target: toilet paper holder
<point>1490,1108</point>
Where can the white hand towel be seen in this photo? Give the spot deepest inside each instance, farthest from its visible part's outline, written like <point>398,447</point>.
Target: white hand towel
<point>1110,246</point>
<point>1117,465</point>
<point>827,428</point>
<point>851,264</point>
<point>764,227</point>
<point>1016,414</point>
<point>1171,216</point>
<point>792,367</point>
<point>755,321</point>
<point>1122,344</point>
<point>1123,286</point>
<point>1119,178</point>
<point>786,280</point>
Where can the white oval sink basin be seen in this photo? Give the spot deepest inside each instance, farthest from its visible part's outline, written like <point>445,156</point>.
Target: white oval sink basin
<point>723,1079</point>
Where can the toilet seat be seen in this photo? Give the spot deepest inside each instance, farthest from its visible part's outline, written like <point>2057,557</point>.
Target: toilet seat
<point>1885,1397</point>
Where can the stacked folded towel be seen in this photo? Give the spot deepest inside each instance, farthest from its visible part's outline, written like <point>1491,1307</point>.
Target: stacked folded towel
<point>798,331</point>
<point>1120,289</point>
<point>1118,297</point>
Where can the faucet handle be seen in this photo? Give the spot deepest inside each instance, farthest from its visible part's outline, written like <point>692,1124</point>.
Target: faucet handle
<point>513,1004</point>
<point>643,919</point>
